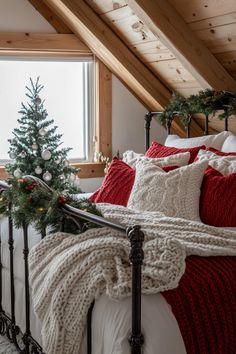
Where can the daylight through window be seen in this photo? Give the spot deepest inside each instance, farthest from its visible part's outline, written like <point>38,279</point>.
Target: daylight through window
<point>69,101</point>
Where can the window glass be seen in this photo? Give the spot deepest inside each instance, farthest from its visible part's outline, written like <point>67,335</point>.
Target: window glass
<point>68,95</point>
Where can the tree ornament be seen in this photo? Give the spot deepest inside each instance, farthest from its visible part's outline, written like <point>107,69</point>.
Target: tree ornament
<point>42,131</point>
<point>66,163</point>
<point>38,170</point>
<point>72,177</point>
<point>12,155</point>
<point>23,154</point>
<point>47,176</point>
<point>39,210</point>
<point>34,146</point>
<point>17,173</point>
<point>37,101</point>
<point>57,162</point>
<point>46,155</point>
<point>61,199</point>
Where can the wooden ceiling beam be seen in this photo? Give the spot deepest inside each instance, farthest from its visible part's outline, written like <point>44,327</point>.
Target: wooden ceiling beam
<point>107,46</point>
<point>165,22</point>
<point>52,18</point>
<point>42,44</point>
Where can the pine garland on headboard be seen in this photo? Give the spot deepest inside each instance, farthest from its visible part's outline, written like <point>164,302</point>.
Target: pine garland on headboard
<point>206,102</point>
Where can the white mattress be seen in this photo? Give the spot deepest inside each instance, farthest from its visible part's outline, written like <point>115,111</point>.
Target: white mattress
<point>111,319</point>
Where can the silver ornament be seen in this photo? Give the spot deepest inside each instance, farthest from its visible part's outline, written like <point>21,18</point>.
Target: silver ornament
<point>47,176</point>
<point>66,163</point>
<point>12,155</point>
<point>37,101</point>
<point>42,131</point>
<point>34,146</point>
<point>38,170</point>
<point>72,177</point>
<point>46,155</point>
<point>23,154</point>
<point>17,173</point>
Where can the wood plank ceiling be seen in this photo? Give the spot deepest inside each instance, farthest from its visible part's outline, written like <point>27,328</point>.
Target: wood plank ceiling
<point>212,22</point>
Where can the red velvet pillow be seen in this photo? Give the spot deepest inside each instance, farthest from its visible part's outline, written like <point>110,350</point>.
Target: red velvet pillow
<point>218,199</point>
<point>118,183</point>
<point>221,153</point>
<point>159,150</point>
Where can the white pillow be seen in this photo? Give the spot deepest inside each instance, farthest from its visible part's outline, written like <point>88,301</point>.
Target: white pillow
<point>175,193</point>
<point>132,158</point>
<point>224,164</point>
<point>215,141</point>
<point>229,144</point>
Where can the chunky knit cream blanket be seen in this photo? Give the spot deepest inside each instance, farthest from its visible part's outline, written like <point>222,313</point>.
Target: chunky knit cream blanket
<point>67,272</point>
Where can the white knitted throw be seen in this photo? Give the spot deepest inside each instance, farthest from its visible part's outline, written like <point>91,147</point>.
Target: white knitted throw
<point>67,272</point>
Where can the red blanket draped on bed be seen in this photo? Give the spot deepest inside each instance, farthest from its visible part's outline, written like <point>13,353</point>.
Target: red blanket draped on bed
<point>204,305</point>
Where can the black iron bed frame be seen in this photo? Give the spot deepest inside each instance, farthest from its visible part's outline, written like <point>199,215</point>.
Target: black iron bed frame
<point>25,343</point>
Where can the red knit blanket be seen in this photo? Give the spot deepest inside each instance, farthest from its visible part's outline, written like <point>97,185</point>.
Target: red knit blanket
<point>204,305</point>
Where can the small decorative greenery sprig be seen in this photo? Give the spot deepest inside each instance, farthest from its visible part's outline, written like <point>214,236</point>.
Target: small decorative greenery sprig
<point>206,102</point>
<point>29,202</point>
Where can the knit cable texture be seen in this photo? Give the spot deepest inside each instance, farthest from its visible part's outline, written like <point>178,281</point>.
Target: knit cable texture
<point>67,272</point>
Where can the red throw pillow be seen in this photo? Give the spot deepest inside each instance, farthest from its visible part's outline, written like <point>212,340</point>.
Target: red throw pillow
<point>218,199</point>
<point>159,150</point>
<point>118,183</point>
<point>221,153</point>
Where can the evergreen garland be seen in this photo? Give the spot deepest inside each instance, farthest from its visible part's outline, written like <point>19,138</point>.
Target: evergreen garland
<point>29,202</point>
<point>206,102</point>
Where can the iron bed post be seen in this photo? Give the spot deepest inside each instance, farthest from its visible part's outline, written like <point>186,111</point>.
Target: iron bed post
<point>12,329</point>
<point>27,333</point>
<point>136,238</point>
<point>148,119</point>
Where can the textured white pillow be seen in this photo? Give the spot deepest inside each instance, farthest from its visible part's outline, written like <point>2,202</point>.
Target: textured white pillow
<point>215,141</point>
<point>132,158</point>
<point>175,193</point>
<point>223,164</point>
<point>229,144</point>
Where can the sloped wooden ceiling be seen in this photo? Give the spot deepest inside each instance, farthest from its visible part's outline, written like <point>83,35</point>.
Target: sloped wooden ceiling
<point>211,24</point>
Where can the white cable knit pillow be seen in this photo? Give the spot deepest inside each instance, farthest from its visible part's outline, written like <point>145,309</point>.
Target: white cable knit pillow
<point>175,193</point>
<point>132,158</point>
<point>224,164</point>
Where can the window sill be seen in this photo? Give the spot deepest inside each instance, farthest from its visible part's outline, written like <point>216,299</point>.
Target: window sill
<point>88,170</point>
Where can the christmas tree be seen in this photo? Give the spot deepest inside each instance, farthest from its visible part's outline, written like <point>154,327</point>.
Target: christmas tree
<point>35,150</point>
<point>35,145</point>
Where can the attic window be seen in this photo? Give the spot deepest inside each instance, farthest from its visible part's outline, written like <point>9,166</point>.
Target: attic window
<point>69,100</point>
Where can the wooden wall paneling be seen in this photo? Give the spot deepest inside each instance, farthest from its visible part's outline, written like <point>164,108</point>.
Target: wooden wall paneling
<point>103,109</point>
<point>228,59</point>
<point>165,22</point>
<point>42,43</point>
<point>174,74</point>
<point>195,10</point>
<point>52,18</point>
<point>217,33</point>
<point>222,45</point>
<point>104,6</point>
<point>112,51</point>
<point>212,22</point>
<point>128,26</point>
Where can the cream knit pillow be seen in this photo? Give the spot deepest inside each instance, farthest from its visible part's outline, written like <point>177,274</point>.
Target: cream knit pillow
<point>175,193</point>
<point>132,158</point>
<point>224,164</point>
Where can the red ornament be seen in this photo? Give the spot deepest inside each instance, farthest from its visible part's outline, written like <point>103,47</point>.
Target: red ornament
<point>61,199</point>
<point>30,200</point>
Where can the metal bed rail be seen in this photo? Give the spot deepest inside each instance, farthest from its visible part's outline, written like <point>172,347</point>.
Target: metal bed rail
<point>25,343</point>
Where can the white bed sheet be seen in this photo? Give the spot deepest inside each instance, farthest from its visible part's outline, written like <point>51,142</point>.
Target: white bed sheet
<point>111,319</point>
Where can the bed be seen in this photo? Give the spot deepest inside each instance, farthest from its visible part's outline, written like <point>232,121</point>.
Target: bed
<point>111,319</point>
